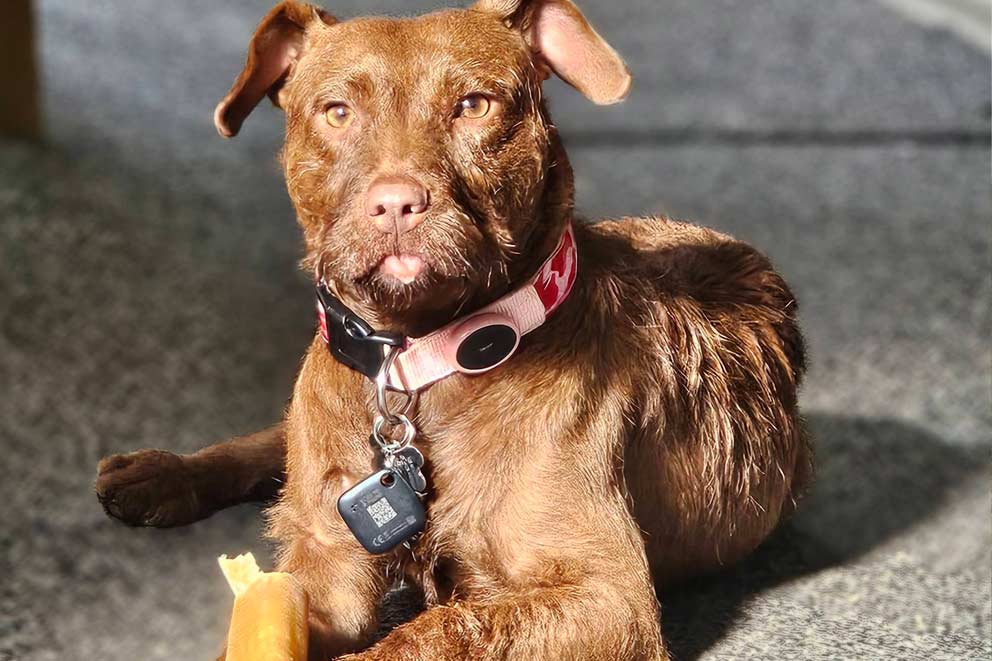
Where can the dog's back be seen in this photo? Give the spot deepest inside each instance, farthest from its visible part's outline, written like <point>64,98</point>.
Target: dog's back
<point>717,454</point>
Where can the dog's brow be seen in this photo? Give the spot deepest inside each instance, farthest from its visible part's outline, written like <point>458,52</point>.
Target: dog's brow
<point>472,77</point>
<point>357,86</point>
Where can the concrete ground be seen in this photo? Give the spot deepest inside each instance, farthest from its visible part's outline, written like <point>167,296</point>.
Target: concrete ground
<point>149,297</point>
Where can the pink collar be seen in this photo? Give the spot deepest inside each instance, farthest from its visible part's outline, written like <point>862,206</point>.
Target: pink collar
<point>482,340</point>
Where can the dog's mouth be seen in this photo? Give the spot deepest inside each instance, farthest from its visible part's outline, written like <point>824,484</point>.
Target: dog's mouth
<point>421,272</point>
<point>403,268</point>
<point>403,271</point>
<point>408,277</point>
<point>409,286</point>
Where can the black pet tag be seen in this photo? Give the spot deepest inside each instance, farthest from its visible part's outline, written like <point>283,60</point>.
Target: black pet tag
<point>409,461</point>
<point>382,511</point>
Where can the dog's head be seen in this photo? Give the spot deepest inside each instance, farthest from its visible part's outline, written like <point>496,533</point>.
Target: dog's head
<point>419,156</point>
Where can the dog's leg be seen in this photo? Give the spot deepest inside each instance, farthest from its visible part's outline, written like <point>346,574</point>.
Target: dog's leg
<point>162,489</point>
<point>594,620</point>
<point>344,584</point>
<point>565,590</point>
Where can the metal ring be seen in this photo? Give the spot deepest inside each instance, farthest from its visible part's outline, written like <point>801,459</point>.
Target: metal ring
<point>389,446</point>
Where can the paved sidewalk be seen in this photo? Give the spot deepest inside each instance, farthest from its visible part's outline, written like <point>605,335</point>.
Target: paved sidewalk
<point>149,297</point>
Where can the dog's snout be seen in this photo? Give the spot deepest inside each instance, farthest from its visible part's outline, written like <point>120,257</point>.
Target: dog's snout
<point>396,204</point>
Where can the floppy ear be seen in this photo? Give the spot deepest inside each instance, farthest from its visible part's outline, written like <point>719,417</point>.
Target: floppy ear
<point>561,36</point>
<point>274,49</point>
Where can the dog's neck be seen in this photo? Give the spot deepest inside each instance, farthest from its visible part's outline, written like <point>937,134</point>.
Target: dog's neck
<point>554,211</point>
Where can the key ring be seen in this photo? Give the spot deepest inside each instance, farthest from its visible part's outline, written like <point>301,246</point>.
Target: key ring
<point>390,447</point>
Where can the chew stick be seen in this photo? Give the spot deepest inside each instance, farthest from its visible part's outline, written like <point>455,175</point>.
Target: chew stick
<point>270,614</point>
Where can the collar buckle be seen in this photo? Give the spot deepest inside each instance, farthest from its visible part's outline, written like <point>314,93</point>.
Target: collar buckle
<point>350,338</point>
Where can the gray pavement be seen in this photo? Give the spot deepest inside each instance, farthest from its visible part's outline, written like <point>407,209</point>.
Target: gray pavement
<point>149,297</point>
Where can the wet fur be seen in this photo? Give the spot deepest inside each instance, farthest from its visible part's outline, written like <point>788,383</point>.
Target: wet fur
<point>648,432</point>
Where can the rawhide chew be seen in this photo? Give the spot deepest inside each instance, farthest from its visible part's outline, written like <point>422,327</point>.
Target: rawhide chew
<point>269,621</point>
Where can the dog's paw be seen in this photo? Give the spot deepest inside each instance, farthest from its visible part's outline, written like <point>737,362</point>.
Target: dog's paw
<point>148,488</point>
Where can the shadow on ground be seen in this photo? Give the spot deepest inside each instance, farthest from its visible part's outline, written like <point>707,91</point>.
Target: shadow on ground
<point>875,480</point>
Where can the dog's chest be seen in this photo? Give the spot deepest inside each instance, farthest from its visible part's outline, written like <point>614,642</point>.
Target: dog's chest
<point>496,463</point>
<point>481,508</point>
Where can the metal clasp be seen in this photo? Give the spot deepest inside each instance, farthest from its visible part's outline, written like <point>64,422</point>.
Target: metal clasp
<point>386,416</point>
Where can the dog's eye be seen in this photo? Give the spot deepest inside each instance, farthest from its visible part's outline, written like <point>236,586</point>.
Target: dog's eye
<point>473,106</point>
<point>339,116</point>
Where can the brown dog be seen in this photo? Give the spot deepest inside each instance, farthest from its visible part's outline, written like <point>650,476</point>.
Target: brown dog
<point>648,430</point>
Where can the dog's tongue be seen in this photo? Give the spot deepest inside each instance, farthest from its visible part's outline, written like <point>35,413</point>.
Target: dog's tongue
<point>404,268</point>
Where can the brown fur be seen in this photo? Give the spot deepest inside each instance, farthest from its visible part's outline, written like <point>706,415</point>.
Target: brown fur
<point>648,432</point>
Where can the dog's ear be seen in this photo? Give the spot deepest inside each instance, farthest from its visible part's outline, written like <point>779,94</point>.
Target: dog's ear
<point>564,40</point>
<point>274,50</point>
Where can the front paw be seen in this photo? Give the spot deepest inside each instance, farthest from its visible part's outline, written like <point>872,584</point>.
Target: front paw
<point>148,488</point>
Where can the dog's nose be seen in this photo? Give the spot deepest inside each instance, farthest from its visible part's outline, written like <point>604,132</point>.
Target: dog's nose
<point>396,204</point>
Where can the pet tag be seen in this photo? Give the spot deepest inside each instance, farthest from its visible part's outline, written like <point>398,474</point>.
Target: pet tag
<point>409,461</point>
<point>383,510</point>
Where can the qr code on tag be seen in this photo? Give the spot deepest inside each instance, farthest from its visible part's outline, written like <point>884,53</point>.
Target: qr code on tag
<point>381,512</point>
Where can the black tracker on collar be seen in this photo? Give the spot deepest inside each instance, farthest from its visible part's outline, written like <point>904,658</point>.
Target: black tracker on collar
<point>352,340</point>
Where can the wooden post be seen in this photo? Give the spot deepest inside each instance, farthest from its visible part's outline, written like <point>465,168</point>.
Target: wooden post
<point>20,108</point>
